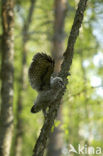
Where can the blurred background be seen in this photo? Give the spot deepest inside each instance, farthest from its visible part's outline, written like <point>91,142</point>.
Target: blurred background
<point>44,26</point>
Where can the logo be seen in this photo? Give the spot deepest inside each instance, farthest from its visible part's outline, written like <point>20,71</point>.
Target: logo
<point>85,149</point>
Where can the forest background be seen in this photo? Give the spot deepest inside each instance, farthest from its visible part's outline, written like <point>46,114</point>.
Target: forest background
<point>37,29</point>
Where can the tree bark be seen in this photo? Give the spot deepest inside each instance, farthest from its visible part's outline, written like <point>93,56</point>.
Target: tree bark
<point>6,115</point>
<point>65,67</point>
<point>58,39</point>
<point>19,127</point>
<point>56,138</point>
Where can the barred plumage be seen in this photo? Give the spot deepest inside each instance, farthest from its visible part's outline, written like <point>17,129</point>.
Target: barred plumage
<point>40,70</point>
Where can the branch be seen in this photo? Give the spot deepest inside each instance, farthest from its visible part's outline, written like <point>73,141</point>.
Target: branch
<point>54,106</point>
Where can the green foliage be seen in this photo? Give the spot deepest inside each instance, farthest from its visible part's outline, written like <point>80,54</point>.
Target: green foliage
<point>82,103</point>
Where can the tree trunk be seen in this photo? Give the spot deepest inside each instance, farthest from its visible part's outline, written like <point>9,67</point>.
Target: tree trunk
<point>6,115</point>
<point>58,39</point>
<point>56,138</point>
<point>0,67</point>
<point>19,127</point>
